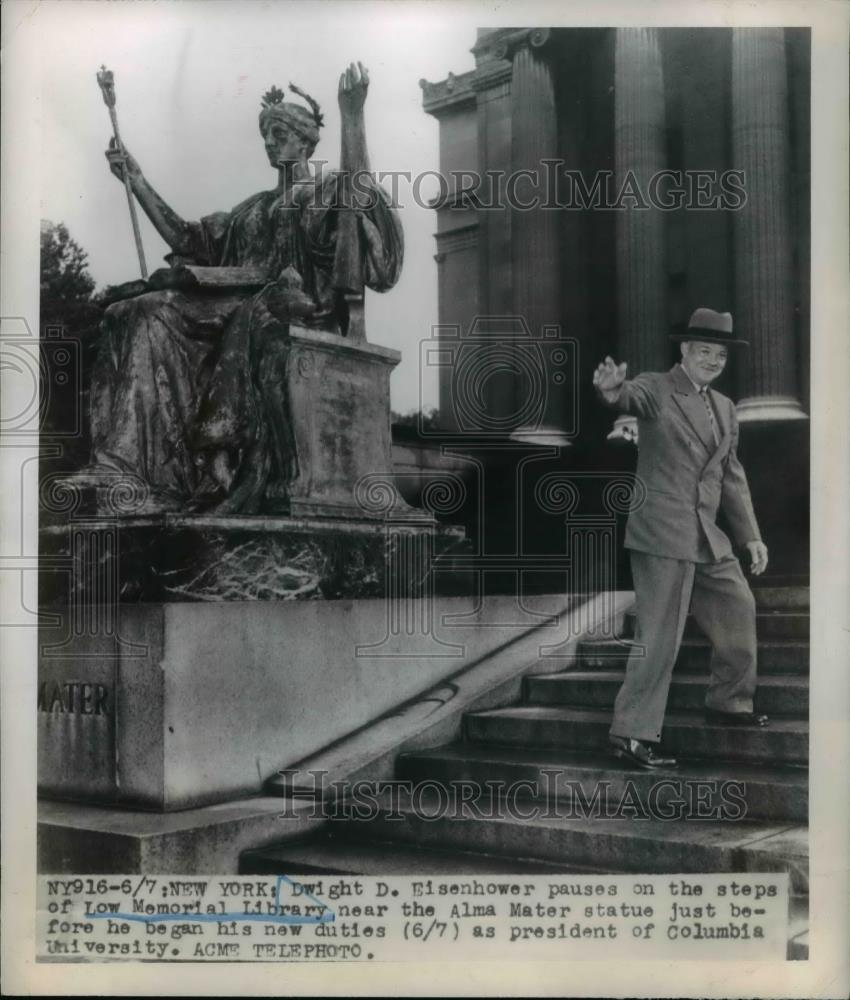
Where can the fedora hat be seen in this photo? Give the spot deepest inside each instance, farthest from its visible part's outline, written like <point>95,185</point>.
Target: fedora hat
<point>710,327</point>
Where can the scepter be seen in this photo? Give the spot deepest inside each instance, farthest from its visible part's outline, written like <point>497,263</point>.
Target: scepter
<point>106,81</point>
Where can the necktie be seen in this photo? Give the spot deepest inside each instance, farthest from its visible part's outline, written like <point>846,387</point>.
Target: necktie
<point>709,409</point>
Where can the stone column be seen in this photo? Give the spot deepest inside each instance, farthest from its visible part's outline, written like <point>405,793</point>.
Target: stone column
<point>492,86</point>
<point>534,230</point>
<point>764,308</point>
<point>639,152</point>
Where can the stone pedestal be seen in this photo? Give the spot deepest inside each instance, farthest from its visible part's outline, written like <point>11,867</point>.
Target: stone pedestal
<point>339,394</point>
<point>182,661</point>
<point>101,562</point>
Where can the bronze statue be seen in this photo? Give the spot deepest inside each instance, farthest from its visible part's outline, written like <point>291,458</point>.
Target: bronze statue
<point>188,392</point>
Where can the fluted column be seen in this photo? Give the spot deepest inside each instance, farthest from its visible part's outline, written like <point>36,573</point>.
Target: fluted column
<point>535,230</point>
<point>763,261</point>
<point>639,152</point>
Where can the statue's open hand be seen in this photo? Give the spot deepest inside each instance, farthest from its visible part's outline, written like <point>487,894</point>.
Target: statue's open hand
<point>118,161</point>
<point>608,378</point>
<point>353,85</point>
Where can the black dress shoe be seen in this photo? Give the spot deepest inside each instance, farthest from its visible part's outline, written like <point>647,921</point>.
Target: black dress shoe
<point>639,753</point>
<point>736,718</point>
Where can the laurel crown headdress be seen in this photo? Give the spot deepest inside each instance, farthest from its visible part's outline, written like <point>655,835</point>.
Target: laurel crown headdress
<point>307,123</point>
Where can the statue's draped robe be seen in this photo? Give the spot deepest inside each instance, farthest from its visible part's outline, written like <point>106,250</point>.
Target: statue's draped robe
<point>188,391</point>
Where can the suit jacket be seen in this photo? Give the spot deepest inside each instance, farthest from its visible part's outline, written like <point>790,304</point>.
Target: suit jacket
<point>687,478</point>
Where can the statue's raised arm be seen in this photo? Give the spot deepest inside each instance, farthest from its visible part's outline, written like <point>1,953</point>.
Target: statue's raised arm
<point>353,87</point>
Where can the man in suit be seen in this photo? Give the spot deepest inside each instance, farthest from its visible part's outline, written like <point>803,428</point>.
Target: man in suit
<point>687,462</point>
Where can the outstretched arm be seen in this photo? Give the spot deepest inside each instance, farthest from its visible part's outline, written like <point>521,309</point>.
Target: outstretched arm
<point>168,223</point>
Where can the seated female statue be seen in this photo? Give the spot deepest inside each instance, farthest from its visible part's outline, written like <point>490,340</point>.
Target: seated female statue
<point>188,392</point>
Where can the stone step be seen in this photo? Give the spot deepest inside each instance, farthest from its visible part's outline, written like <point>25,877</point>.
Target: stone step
<point>773,657</point>
<point>768,792</point>
<point>598,688</point>
<point>686,735</point>
<point>771,598</point>
<point>337,855</point>
<point>770,625</point>
<point>613,845</point>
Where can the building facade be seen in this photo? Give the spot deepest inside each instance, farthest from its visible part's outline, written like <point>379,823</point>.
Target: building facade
<point>600,184</point>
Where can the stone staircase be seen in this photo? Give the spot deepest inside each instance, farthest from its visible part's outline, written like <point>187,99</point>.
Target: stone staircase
<point>738,802</point>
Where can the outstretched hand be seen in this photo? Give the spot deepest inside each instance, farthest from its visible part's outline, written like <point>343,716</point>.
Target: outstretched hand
<point>353,86</point>
<point>119,161</point>
<point>608,379</point>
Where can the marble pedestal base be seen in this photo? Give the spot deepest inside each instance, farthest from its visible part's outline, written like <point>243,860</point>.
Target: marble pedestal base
<point>183,660</point>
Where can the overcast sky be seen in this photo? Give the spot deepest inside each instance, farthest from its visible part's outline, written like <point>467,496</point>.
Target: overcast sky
<point>189,78</point>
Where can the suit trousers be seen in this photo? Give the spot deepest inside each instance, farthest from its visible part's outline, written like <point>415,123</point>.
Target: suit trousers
<point>724,608</point>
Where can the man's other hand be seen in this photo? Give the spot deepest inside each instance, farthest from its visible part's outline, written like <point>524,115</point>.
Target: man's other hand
<point>758,557</point>
<point>608,379</point>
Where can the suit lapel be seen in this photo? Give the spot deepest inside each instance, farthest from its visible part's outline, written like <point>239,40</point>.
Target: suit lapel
<point>692,407</point>
<point>722,413</point>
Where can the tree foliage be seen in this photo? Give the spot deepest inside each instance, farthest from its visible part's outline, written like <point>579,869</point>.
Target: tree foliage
<point>67,288</point>
<point>70,312</point>
<point>419,420</point>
